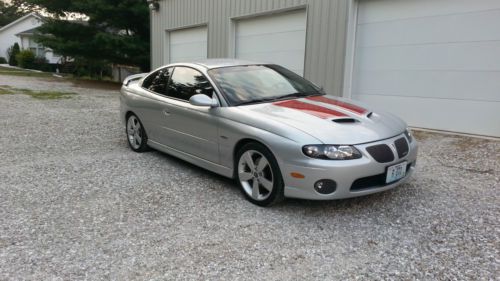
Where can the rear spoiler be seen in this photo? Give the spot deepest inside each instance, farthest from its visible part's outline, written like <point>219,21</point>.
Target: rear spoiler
<point>133,78</point>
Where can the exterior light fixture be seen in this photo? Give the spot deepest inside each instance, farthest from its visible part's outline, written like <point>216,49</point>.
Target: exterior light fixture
<point>153,5</point>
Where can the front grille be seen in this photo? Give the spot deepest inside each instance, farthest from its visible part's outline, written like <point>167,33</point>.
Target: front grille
<point>373,181</point>
<point>368,182</point>
<point>381,153</point>
<point>401,147</point>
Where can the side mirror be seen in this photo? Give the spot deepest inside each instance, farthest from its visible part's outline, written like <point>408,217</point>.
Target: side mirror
<point>202,100</point>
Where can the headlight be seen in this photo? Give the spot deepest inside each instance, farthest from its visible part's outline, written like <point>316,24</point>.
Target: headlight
<point>408,135</point>
<point>333,152</point>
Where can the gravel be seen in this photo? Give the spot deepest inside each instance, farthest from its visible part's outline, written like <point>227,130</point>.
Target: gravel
<point>77,204</point>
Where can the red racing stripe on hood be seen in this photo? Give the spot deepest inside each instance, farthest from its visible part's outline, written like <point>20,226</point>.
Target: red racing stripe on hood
<point>316,110</point>
<point>344,105</point>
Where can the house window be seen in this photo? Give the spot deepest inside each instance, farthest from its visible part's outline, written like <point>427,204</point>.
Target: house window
<point>36,48</point>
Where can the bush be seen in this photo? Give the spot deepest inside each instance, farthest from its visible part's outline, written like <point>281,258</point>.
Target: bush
<point>13,52</point>
<point>91,69</point>
<point>3,60</point>
<point>41,63</point>
<point>26,59</point>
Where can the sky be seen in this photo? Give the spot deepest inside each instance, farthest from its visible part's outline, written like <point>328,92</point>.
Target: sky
<point>71,16</point>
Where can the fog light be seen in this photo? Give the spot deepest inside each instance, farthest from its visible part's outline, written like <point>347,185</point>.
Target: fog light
<point>325,186</point>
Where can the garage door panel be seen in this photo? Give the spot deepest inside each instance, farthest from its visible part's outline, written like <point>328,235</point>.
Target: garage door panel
<point>189,35</point>
<point>185,50</point>
<point>452,85</point>
<point>449,115</point>
<point>279,38</point>
<point>475,56</point>
<point>283,41</point>
<point>292,59</point>
<point>436,63</point>
<point>382,10</point>
<point>294,21</point>
<point>477,26</point>
<point>188,44</point>
<point>185,59</point>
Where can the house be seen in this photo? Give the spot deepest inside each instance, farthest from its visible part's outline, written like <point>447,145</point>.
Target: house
<point>21,31</point>
<point>435,63</point>
<point>27,42</point>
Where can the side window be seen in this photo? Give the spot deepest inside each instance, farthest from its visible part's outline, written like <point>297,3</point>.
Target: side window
<point>187,82</point>
<point>157,82</point>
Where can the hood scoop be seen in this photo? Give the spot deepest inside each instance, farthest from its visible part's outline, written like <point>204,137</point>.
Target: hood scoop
<point>345,120</point>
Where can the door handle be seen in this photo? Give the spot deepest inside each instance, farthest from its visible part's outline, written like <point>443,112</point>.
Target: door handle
<point>166,112</point>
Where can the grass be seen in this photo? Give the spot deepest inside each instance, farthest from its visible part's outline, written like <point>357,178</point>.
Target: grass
<point>86,82</point>
<point>26,73</point>
<point>3,68</point>
<point>50,95</point>
<point>21,72</point>
<point>41,95</point>
<point>96,84</point>
<point>4,91</point>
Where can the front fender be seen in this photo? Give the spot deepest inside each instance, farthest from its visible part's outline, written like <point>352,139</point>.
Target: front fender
<point>232,132</point>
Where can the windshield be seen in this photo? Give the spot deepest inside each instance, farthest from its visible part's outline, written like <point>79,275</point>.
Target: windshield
<point>259,83</point>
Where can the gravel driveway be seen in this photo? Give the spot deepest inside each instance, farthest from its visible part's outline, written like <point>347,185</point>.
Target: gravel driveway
<point>77,204</point>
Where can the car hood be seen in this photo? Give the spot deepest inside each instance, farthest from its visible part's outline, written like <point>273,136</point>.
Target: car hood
<point>329,119</point>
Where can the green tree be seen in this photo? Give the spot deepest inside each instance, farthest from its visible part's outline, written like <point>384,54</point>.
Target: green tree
<point>114,31</point>
<point>9,13</point>
<point>12,52</point>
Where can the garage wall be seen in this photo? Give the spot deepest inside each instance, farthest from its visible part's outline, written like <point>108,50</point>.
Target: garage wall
<point>325,42</point>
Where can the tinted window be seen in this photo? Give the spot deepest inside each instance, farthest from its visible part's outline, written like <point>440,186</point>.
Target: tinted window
<point>187,82</point>
<point>157,82</point>
<point>242,84</point>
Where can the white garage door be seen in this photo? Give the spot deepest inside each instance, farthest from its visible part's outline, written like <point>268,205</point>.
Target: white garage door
<point>279,39</point>
<point>188,44</point>
<point>436,63</point>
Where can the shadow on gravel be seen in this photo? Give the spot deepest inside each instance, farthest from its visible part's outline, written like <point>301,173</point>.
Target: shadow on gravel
<point>350,206</point>
<point>370,203</point>
<point>191,168</point>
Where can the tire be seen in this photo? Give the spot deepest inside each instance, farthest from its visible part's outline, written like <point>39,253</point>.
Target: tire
<point>258,175</point>
<point>136,135</point>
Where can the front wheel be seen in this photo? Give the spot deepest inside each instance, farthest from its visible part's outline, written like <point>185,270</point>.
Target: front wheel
<point>136,135</point>
<point>259,175</point>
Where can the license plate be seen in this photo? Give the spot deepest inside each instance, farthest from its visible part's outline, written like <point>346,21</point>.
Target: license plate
<point>396,172</point>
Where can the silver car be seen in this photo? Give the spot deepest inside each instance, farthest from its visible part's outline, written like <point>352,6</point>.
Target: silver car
<point>273,131</point>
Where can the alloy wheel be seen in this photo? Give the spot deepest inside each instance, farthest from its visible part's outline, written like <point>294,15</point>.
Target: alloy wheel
<point>255,175</point>
<point>134,132</point>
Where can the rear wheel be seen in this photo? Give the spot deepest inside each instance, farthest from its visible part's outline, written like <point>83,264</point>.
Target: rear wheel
<point>136,135</point>
<point>259,176</point>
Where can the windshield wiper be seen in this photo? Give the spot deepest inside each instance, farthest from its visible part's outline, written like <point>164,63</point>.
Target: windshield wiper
<point>256,101</point>
<point>298,95</point>
<point>293,95</point>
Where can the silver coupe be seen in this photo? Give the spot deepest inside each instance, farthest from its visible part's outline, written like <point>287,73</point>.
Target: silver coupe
<point>276,133</point>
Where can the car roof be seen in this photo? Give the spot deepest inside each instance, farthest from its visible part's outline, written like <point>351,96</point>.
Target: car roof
<point>217,63</point>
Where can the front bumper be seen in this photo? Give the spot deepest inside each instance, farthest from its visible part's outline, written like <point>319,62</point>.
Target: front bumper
<point>366,170</point>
